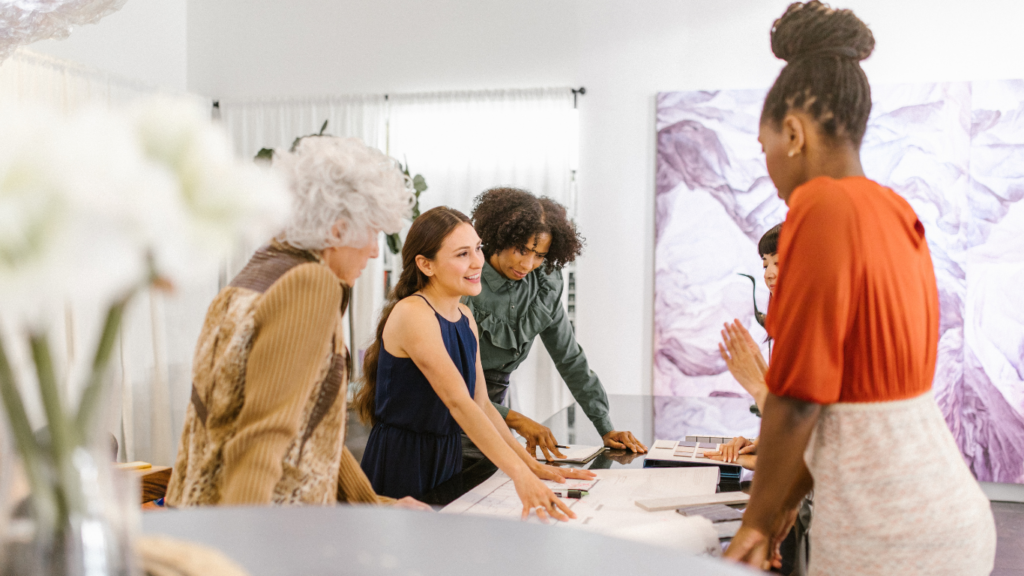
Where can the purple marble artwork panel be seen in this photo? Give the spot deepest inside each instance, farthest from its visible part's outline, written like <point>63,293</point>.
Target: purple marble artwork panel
<point>955,151</point>
<point>990,405</point>
<point>714,200</point>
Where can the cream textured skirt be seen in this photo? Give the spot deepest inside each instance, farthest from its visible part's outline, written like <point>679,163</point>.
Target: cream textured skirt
<point>892,494</point>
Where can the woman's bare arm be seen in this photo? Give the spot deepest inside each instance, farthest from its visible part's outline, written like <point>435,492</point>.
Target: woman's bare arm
<point>412,331</point>
<point>782,479</point>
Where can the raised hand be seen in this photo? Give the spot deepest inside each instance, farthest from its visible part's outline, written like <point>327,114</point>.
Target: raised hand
<point>755,349</point>
<point>743,358</point>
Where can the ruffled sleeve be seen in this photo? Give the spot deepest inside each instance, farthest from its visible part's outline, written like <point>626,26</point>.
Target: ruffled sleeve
<point>515,335</point>
<point>499,332</point>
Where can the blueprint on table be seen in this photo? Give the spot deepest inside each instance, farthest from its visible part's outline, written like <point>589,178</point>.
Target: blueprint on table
<point>609,508</point>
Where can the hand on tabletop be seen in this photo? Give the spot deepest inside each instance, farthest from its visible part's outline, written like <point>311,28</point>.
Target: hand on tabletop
<point>743,358</point>
<point>750,448</point>
<point>748,461</point>
<point>410,503</point>
<point>540,500</point>
<point>782,530</point>
<point>729,451</point>
<point>536,435</point>
<point>745,452</point>
<point>624,441</point>
<point>753,547</point>
<point>749,546</point>
<point>558,474</point>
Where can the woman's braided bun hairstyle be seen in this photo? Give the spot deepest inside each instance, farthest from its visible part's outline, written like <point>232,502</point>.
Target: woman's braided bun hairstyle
<point>822,47</point>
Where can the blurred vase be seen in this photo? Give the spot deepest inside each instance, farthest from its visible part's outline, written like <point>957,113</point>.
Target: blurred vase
<point>92,536</point>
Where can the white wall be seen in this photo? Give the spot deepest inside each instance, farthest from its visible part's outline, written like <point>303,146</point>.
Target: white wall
<point>144,41</point>
<point>243,48</point>
<point>622,52</point>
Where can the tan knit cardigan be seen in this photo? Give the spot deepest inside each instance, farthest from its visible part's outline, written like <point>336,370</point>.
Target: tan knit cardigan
<point>266,423</point>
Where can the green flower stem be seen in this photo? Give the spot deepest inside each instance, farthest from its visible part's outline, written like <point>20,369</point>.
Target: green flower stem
<point>93,392</point>
<point>43,497</point>
<point>63,438</point>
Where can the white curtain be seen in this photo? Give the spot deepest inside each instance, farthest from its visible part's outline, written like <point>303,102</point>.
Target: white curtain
<point>463,143</point>
<point>30,78</point>
<point>275,123</point>
<point>153,358</point>
<point>466,142</point>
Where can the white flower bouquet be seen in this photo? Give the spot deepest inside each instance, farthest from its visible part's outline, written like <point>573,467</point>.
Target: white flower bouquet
<point>95,208</point>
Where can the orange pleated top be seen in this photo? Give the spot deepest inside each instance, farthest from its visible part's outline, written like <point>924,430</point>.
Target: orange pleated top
<point>855,315</point>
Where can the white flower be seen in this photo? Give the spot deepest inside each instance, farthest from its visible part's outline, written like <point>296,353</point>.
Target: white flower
<point>221,197</point>
<point>65,229</point>
<point>89,206</point>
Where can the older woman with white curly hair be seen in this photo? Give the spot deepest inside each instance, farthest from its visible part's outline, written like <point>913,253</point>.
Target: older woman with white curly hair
<point>266,421</point>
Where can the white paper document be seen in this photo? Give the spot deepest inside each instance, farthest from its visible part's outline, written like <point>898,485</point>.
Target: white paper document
<point>610,507</point>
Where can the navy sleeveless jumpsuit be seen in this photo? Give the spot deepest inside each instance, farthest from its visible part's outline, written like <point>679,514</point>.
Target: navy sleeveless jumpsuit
<point>416,444</point>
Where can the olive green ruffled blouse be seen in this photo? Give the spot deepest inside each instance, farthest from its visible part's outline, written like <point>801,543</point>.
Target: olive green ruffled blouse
<point>511,314</point>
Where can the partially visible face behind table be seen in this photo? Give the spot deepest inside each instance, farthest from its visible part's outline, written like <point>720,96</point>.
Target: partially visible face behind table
<point>771,271</point>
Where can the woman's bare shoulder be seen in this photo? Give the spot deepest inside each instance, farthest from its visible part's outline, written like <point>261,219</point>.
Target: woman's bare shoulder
<point>410,312</point>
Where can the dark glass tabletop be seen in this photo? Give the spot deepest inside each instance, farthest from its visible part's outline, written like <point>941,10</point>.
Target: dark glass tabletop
<point>647,417</point>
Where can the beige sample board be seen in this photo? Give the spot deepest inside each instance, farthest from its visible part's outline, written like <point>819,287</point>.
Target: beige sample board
<point>673,451</point>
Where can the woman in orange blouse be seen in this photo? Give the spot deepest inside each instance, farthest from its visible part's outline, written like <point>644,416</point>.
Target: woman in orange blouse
<point>855,320</point>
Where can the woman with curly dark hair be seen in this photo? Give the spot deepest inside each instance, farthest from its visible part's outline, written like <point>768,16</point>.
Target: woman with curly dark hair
<point>526,242</point>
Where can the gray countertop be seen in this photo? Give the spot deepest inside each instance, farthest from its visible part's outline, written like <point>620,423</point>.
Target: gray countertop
<point>310,541</point>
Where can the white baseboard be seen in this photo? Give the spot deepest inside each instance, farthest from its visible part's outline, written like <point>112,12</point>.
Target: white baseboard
<point>1003,492</point>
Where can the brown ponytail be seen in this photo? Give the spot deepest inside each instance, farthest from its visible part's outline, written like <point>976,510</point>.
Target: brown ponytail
<point>425,238</point>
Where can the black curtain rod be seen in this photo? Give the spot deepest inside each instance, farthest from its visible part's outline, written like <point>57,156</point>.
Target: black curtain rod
<point>576,92</point>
